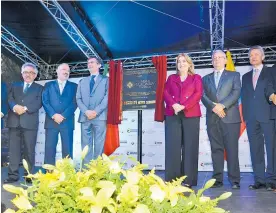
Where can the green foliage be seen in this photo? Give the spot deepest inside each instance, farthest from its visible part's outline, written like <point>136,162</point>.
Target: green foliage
<point>104,187</point>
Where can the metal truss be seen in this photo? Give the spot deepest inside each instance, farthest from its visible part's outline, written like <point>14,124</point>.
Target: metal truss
<point>57,12</point>
<point>201,59</point>
<point>217,14</point>
<point>20,50</point>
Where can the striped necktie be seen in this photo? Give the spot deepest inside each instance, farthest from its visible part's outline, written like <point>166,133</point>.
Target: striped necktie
<point>255,78</point>
<point>26,88</point>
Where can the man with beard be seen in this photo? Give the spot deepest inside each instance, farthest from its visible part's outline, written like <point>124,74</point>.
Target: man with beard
<point>59,102</point>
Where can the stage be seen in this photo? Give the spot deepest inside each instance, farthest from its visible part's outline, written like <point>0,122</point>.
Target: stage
<point>241,201</point>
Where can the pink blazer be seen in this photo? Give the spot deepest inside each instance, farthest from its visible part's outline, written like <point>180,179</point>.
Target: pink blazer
<point>187,93</point>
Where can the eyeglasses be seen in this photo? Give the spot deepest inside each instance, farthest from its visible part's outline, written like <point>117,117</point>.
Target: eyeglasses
<point>28,73</point>
<point>219,57</point>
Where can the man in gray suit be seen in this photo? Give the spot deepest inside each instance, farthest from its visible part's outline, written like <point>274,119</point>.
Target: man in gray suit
<point>92,99</point>
<point>221,94</point>
<point>24,100</point>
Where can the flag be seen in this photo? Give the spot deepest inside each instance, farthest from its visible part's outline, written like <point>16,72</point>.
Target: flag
<point>231,67</point>
<point>112,140</point>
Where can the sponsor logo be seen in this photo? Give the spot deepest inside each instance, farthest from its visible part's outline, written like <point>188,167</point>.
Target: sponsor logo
<point>149,154</point>
<point>158,142</point>
<point>123,141</point>
<point>206,164</point>
<point>131,130</point>
<point>118,154</point>
<point>131,153</point>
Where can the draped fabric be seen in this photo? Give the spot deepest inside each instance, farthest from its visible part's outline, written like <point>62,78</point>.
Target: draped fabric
<point>160,63</point>
<point>114,112</point>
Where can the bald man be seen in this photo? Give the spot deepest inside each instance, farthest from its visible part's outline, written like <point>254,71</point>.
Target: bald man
<point>59,102</point>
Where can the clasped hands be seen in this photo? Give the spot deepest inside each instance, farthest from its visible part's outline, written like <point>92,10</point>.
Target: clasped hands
<point>177,108</point>
<point>91,114</point>
<point>18,109</point>
<point>273,98</point>
<point>58,118</point>
<point>219,110</point>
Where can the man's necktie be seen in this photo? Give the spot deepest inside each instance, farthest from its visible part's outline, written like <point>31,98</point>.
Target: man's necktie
<point>26,88</point>
<point>92,82</point>
<point>61,87</point>
<point>255,78</point>
<point>217,75</point>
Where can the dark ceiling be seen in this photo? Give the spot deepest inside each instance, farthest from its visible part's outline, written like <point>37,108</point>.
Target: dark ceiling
<point>121,29</point>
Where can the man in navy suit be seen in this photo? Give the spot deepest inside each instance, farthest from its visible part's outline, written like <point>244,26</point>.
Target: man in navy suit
<point>59,102</point>
<point>272,100</point>
<point>256,85</point>
<point>4,102</point>
<point>272,95</point>
<point>24,100</point>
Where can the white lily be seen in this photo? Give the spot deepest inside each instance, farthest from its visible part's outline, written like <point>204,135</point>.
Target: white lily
<point>115,167</point>
<point>129,193</point>
<point>141,208</point>
<point>133,177</point>
<point>157,194</point>
<point>22,203</point>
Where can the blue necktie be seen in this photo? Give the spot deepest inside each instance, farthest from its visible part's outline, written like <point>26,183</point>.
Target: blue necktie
<point>92,82</point>
<point>26,88</point>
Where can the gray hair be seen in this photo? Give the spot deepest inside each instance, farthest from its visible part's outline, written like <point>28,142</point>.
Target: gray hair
<point>218,51</point>
<point>63,64</point>
<point>256,47</point>
<point>29,65</point>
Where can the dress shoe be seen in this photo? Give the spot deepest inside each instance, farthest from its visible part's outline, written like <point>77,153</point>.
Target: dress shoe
<point>188,185</point>
<point>10,180</point>
<point>270,187</point>
<point>217,184</point>
<point>257,185</point>
<point>236,185</point>
<point>29,180</point>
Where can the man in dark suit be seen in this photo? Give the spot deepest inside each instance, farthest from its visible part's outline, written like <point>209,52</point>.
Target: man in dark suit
<point>4,111</point>
<point>92,96</point>
<point>256,85</point>
<point>221,94</point>
<point>4,102</point>
<point>272,95</point>
<point>59,102</point>
<point>24,100</point>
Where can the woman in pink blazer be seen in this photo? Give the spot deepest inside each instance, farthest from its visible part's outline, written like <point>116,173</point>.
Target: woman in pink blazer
<point>182,95</point>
